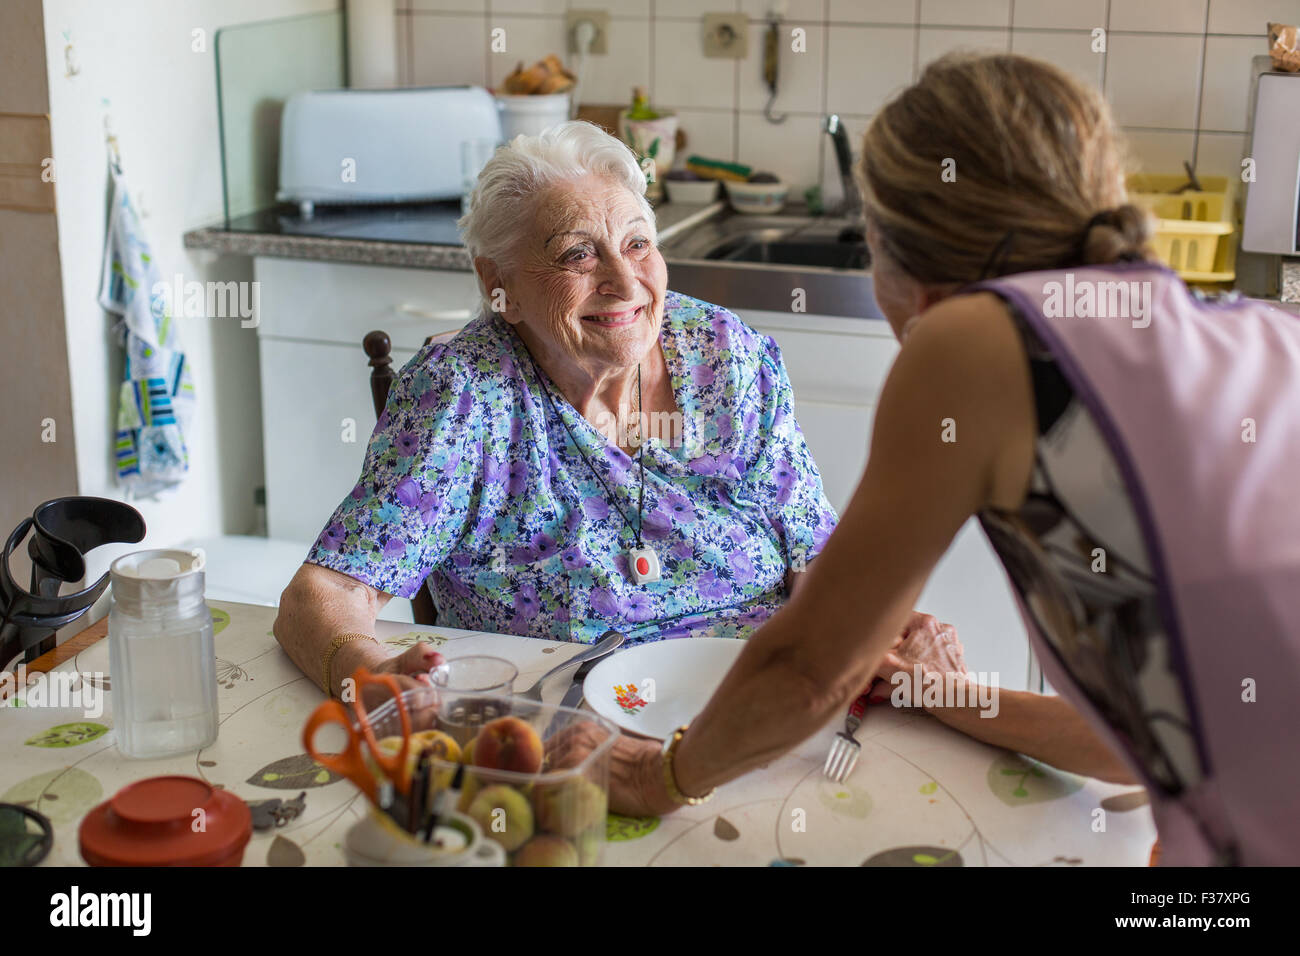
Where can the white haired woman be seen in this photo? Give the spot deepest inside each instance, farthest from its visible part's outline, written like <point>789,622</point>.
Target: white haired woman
<point>592,452</point>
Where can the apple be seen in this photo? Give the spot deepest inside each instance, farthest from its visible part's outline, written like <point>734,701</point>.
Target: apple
<point>547,850</point>
<point>569,807</point>
<point>508,743</point>
<point>504,814</point>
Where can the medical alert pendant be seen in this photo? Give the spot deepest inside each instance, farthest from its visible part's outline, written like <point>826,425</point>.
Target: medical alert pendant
<point>644,565</point>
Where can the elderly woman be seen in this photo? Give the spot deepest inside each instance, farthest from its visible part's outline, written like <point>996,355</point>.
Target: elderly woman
<point>1150,536</point>
<point>592,452</point>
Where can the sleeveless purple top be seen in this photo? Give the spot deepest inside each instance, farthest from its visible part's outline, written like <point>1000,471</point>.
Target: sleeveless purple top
<point>1184,650</point>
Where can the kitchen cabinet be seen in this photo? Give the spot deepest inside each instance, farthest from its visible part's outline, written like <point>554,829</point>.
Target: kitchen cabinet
<point>317,413</point>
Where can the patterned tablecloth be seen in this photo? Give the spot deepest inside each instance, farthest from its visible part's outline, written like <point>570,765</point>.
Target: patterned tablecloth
<point>921,794</point>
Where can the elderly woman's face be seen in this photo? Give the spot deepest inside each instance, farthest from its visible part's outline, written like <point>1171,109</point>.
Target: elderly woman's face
<point>589,281</point>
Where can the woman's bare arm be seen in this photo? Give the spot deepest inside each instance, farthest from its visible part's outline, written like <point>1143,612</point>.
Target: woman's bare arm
<point>962,375</point>
<point>318,605</point>
<point>1040,726</point>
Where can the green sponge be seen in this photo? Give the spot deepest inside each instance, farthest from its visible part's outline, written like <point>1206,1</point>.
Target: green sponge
<point>717,169</point>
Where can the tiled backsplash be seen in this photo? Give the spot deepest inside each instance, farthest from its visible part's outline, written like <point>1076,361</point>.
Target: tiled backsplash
<point>1177,72</point>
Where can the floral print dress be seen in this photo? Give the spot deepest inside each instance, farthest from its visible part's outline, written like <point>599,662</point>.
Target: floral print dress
<point>472,482</point>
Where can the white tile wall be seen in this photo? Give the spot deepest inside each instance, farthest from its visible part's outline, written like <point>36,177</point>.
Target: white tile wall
<point>448,49</point>
<point>873,11</point>
<point>1177,91</point>
<point>1227,81</point>
<point>1070,50</point>
<point>683,76</point>
<point>1060,14</point>
<point>970,13</point>
<point>867,66</point>
<point>709,133</point>
<point>799,75</point>
<point>1251,16</point>
<point>1158,16</point>
<point>935,42</point>
<point>791,149</point>
<point>1151,80</point>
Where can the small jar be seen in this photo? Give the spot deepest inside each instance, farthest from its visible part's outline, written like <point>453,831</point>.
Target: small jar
<point>162,661</point>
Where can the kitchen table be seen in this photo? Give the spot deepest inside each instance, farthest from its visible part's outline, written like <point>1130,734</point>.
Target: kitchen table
<point>921,794</point>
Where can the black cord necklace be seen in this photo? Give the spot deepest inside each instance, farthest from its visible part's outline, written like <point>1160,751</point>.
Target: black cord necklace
<point>642,562</point>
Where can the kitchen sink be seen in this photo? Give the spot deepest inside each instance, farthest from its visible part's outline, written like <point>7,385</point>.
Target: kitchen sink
<point>827,253</point>
<point>766,262</point>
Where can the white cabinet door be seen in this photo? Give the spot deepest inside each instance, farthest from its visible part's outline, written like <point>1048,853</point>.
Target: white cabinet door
<point>310,393</point>
<point>336,302</point>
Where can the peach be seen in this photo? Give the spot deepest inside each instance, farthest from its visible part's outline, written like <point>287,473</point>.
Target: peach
<point>547,850</point>
<point>590,843</point>
<point>504,814</point>
<point>508,743</point>
<point>569,807</point>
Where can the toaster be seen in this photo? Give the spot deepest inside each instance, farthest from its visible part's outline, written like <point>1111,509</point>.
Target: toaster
<point>380,146</point>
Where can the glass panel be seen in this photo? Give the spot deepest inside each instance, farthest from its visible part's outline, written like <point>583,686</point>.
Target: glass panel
<point>259,65</point>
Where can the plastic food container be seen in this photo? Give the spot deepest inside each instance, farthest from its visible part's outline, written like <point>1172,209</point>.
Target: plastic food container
<point>552,817</point>
<point>167,821</point>
<point>691,191</point>
<point>528,115</point>
<point>1195,228</point>
<point>757,198</point>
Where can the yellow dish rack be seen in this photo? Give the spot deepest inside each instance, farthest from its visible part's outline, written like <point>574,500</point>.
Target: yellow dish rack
<point>1196,229</point>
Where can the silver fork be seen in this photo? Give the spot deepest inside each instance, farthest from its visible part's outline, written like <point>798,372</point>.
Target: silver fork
<point>844,749</point>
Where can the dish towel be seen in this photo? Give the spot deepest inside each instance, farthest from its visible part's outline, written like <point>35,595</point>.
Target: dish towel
<point>156,399</point>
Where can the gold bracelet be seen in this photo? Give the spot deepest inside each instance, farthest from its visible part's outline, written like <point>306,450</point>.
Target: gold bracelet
<point>335,644</point>
<point>670,779</point>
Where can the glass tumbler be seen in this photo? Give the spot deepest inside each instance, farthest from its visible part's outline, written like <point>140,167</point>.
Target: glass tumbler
<point>162,661</point>
<point>461,684</point>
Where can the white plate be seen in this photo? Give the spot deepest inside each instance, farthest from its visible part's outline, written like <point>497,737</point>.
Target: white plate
<point>673,680</point>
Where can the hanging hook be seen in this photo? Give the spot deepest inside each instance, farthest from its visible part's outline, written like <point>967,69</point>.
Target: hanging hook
<point>771,66</point>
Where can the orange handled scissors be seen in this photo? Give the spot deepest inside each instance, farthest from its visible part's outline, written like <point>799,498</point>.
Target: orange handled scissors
<point>351,763</point>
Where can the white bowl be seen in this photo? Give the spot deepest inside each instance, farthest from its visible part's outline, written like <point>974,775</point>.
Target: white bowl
<point>674,679</point>
<point>691,191</point>
<point>757,198</point>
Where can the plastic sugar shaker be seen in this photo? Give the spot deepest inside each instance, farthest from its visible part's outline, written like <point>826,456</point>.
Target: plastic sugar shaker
<point>161,656</point>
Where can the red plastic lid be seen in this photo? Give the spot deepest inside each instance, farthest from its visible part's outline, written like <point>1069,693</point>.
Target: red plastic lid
<point>155,822</point>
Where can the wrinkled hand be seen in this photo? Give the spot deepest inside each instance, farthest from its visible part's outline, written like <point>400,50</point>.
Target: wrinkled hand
<point>410,668</point>
<point>926,641</point>
<point>636,782</point>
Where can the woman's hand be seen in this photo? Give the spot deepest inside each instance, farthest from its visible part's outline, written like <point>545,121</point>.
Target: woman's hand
<point>410,668</point>
<point>926,642</point>
<point>636,776</point>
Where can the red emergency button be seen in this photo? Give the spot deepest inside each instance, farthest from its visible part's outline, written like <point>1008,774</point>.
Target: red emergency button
<point>642,566</point>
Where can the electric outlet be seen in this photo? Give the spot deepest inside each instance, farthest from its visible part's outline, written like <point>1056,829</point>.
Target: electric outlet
<point>598,18</point>
<point>726,35</point>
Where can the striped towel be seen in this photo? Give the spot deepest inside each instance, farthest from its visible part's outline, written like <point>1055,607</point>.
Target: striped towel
<point>156,399</point>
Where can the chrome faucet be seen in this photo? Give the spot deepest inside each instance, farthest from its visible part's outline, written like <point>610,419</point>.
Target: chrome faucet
<point>852,207</point>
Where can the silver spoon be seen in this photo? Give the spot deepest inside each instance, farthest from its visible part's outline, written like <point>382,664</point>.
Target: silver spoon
<point>608,643</point>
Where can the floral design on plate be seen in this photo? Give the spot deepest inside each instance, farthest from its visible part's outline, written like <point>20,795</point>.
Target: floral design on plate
<point>68,735</point>
<point>1017,780</point>
<point>619,829</point>
<point>629,699</point>
<point>219,620</point>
